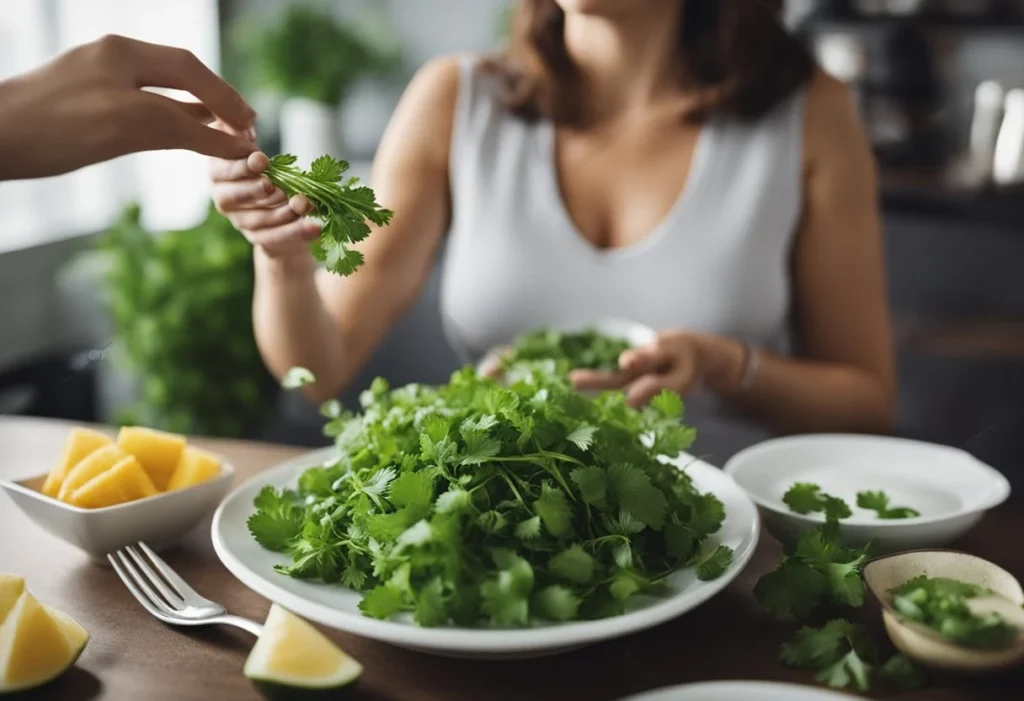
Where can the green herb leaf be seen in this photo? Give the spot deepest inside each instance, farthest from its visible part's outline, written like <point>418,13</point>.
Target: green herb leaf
<point>345,209</point>
<point>573,564</point>
<point>277,521</point>
<point>297,377</point>
<point>714,564</point>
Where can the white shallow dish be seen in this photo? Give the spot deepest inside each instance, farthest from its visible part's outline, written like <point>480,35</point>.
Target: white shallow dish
<point>337,607</point>
<point>636,334</point>
<point>949,487</point>
<point>159,520</point>
<point>741,691</point>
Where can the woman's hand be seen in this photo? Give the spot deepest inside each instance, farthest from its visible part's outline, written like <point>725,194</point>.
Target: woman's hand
<point>262,212</point>
<point>676,361</point>
<point>87,106</point>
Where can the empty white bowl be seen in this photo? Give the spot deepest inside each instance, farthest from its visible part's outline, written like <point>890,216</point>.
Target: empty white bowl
<point>158,520</point>
<point>950,488</point>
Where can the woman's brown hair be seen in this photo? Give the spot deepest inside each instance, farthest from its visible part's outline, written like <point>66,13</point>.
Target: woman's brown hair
<point>734,54</point>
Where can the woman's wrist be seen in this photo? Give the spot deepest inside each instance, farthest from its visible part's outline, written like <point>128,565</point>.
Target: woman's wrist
<point>724,363</point>
<point>298,263</point>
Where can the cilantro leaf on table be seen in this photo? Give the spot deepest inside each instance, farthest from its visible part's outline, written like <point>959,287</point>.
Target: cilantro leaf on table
<point>879,502</point>
<point>714,564</point>
<point>806,498</point>
<point>792,590</point>
<point>277,521</point>
<point>346,209</point>
<point>840,651</point>
<point>900,674</point>
<point>491,505</point>
<point>819,571</point>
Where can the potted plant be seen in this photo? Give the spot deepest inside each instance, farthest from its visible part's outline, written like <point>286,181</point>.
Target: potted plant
<point>313,61</point>
<point>180,304</point>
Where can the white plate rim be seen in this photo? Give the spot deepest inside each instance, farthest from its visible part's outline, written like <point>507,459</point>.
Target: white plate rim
<point>1000,486</point>
<point>498,641</point>
<point>750,687</point>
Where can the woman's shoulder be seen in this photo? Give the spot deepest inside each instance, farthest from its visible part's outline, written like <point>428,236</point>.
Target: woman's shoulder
<point>832,118</point>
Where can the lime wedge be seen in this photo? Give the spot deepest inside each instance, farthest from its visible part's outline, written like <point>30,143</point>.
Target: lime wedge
<point>292,658</point>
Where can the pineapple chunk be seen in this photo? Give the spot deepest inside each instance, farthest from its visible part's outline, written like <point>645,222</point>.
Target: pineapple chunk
<point>92,465</point>
<point>195,467</point>
<point>11,587</point>
<point>126,481</point>
<point>157,451</point>
<point>80,443</point>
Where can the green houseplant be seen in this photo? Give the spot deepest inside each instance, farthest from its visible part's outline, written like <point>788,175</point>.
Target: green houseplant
<point>312,61</point>
<point>180,303</point>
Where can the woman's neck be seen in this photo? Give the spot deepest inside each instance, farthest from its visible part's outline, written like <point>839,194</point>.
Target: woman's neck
<point>626,60</point>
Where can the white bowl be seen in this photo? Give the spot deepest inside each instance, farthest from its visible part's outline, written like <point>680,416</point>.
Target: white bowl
<point>159,520</point>
<point>336,606</point>
<point>741,691</point>
<point>636,334</point>
<point>949,487</point>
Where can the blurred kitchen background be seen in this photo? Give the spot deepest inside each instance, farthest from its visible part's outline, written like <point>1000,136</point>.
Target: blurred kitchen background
<point>101,321</point>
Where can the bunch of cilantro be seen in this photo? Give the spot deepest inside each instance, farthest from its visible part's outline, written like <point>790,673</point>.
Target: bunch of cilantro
<point>344,207</point>
<point>588,349</point>
<point>477,504</point>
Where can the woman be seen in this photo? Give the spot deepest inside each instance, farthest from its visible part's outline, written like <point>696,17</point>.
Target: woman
<point>677,162</point>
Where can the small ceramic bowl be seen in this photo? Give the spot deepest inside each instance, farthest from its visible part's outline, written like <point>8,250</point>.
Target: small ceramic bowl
<point>921,643</point>
<point>159,520</point>
<point>949,487</point>
<point>636,334</point>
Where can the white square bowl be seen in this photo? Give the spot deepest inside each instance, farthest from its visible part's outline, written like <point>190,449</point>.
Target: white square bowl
<point>158,520</point>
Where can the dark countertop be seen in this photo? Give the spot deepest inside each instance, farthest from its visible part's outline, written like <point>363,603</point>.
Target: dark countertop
<point>936,196</point>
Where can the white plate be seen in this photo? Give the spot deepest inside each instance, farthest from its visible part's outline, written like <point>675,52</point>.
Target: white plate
<point>636,334</point>
<point>337,607</point>
<point>741,691</point>
<point>949,487</point>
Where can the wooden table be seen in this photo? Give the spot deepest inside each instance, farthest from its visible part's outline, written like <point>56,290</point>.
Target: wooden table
<point>133,656</point>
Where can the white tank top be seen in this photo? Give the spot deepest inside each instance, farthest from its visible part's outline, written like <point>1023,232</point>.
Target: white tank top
<point>719,261</point>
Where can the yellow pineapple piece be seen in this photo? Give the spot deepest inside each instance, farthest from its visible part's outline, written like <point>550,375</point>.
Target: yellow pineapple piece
<point>126,481</point>
<point>157,451</point>
<point>11,587</point>
<point>80,443</point>
<point>92,465</point>
<point>34,648</point>
<point>195,467</point>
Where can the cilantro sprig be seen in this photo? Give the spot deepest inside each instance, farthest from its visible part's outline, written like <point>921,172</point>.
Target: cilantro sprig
<point>806,498</point>
<point>478,504</point>
<point>345,208</point>
<point>843,656</point>
<point>879,503</point>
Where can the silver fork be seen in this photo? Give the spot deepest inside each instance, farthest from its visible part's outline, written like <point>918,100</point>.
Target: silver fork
<point>166,595</point>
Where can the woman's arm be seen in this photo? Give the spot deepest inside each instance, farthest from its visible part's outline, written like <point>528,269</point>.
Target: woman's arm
<point>843,377</point>
<point>308,317</point>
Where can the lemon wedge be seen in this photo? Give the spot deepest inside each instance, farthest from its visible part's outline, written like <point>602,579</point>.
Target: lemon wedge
<point>293,658</point>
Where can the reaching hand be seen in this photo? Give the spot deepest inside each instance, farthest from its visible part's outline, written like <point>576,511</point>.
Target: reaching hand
<point>87,106</point>
<point>677,361</point>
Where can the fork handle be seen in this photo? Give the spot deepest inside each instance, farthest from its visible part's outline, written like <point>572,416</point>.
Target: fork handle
<point>238,622</point>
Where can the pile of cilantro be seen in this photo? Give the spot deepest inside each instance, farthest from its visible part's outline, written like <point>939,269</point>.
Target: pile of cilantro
<point>817,577</point>
<point>588,349</point>
<point>477,504</point>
